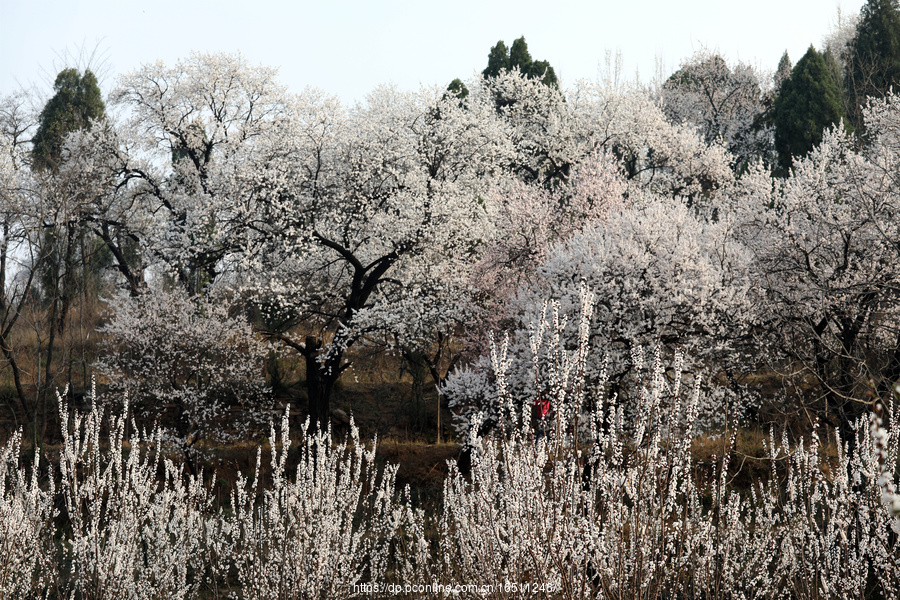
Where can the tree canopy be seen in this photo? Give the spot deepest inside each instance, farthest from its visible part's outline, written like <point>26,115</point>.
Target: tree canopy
<point>874,56</point>
<point>782,72</point>
<point>76,103</point>
<point>809,102</point>
<point>724,103</point>
<point>458,89</point>
<point>518,57</point>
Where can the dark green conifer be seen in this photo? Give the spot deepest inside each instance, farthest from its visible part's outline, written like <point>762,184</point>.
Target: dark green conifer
<point>518,57</point>
<point>809,101</point>
<point>76,103</point>
<point>498,60</point>
<point>874,56</point>
<point>458,89</point>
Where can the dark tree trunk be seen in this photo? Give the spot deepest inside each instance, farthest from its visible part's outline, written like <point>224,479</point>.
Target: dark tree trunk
<point>417,365</point>
<point>320,380</point>
<point>17,378</point>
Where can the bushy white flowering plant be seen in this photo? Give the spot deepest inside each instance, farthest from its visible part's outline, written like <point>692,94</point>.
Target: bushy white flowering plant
<point>660,275</point>
<point>338,523</point>
<point>188,358</point>
<point>569,497</point>
<point>133,518</point>
<point>27,555</point>
<point>575,497</point>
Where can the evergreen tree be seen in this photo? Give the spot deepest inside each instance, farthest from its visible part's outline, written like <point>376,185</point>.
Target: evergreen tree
<point>458,89</point>
<point>76,103</point>
<point>542,70</point>
<point>783,72</point>
<point>518,57</point>
<point>834,67</point>
<point>874,56</point>
<point>809,101</point>
<point>498,60</point>
<point>73,259</point>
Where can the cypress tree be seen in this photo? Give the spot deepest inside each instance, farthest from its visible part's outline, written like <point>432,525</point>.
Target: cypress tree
<point>809,101</point>
<point>783,72</point>
<point>73,260</point>
<point>498,60</point>
<point>541,69</point>
<point>458,89</point>
<point>874,56</point>
<point>519,57</point>
<point>76,103</point>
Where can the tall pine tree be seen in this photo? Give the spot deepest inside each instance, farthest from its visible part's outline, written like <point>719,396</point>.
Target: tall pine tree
<point>873,64</point>
<point>783,72</point>
<point>76,103</point>
<point>72,259</point>
<point>809,101</point>
<point>518,57</point>
<point>498,60</point>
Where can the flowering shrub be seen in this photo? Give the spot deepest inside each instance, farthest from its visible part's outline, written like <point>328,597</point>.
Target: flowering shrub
<point>723,102</point>
<point>603,505</point>
<point>27,568</point>
<point>585,501</point>
<point>528,221</point>
<point>130,524</point>
<point>169,351</point>
<point>133,518</point>
<point>327,530</point>
<point>660,274</point>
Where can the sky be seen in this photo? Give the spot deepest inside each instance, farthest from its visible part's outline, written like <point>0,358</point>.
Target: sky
<point>347,48</point>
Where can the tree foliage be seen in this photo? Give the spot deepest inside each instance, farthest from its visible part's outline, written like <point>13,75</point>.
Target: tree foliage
<point>369,236</point>
<point>873,63</point>
<point>725,104</point>
<point>594,222</point>
<point>809,102</point>
<point>187,362</point>
<point>656,273</point>
<point>825,246</point>
<point>458,88</point>
<point>396,223</point>
<point>199,121</point>
<point>782,72</point>
<point>76,104</point>
<point>519,58</point>
<point>73,261</point>
<point>837,42</point>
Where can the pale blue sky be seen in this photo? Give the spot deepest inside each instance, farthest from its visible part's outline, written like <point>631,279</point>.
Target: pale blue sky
<point>348,47</point>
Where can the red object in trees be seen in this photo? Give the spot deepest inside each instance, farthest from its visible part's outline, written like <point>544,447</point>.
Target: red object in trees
<point>543,405</point>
